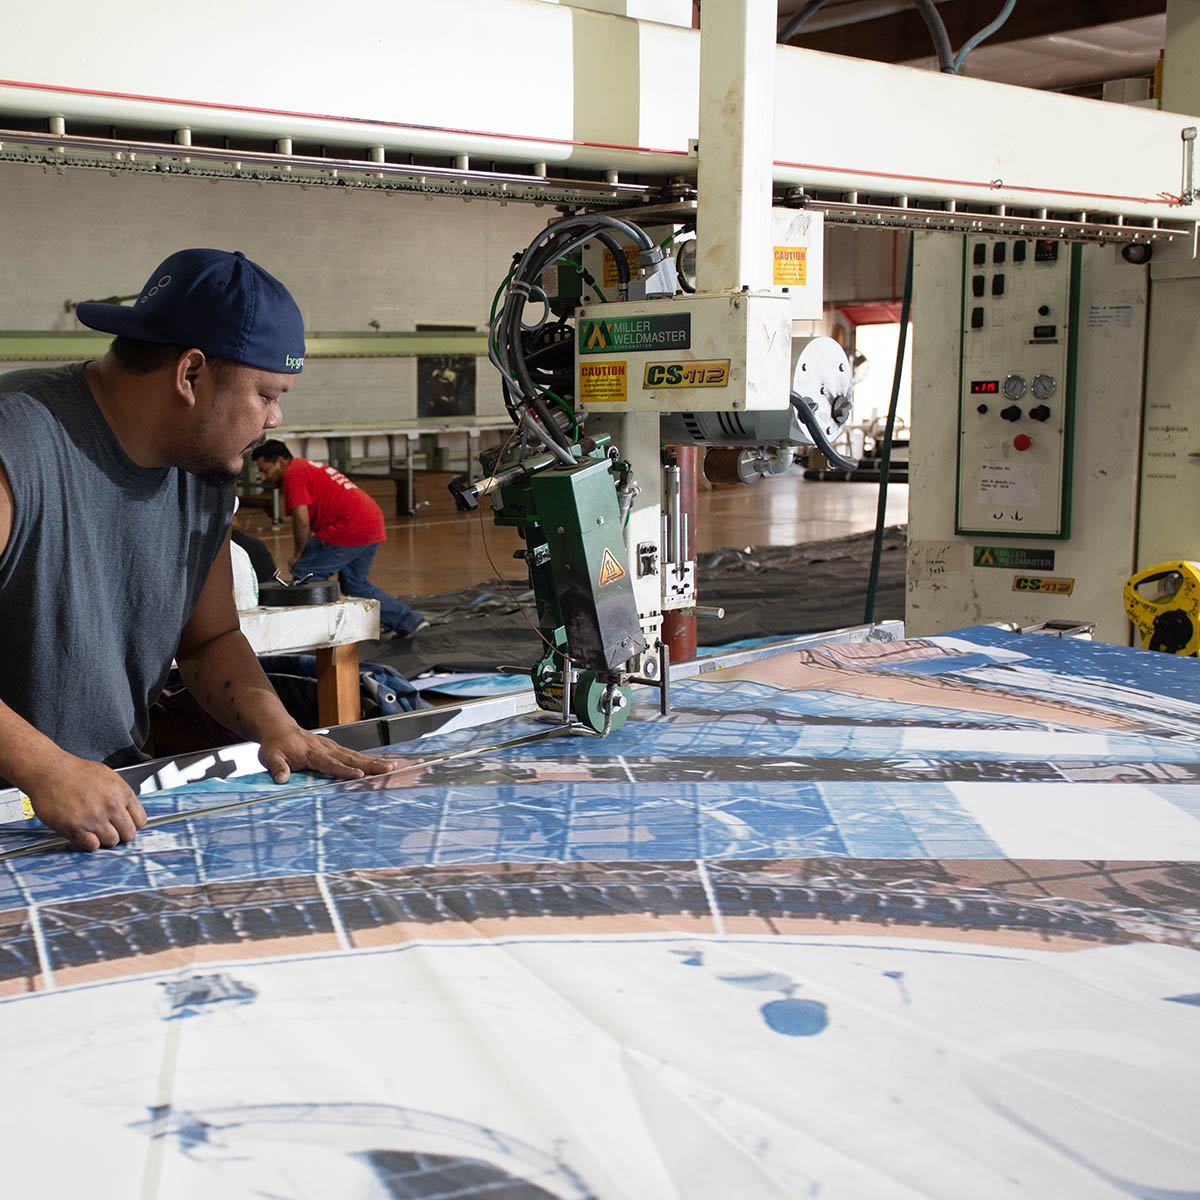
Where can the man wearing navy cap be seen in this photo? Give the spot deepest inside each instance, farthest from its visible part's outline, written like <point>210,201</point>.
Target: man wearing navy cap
<point>98,462</point>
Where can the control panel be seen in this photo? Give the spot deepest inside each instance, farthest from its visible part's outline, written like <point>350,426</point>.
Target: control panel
<point>1016,391</point>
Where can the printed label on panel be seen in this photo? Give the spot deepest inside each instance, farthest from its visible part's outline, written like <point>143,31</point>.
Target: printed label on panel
<point>603,381</point>
<point>790,266</point>
<point>712,372</point>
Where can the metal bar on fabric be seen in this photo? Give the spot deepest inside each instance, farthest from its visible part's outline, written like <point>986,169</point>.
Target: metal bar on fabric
<point>882,631</point>
<point>55,842</point>
<point>236,761</point>
<point>241,759</point>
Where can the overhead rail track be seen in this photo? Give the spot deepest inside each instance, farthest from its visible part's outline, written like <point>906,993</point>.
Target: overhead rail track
<point>868,143</point>
<point>669,198</point>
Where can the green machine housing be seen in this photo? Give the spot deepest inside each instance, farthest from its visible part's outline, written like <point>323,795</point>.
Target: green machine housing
<point>575,552</point>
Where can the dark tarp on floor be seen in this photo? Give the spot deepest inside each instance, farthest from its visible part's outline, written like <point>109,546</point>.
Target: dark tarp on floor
<point>765,591</point>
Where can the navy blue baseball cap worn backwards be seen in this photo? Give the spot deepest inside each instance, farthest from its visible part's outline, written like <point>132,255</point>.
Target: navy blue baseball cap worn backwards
<point>219,302</point>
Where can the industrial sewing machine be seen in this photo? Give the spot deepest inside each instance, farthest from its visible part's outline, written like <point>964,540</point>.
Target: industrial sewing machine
<point>599,391</point>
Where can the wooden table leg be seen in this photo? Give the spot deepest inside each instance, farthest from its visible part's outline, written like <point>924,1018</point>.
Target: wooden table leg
<point>338,698</point>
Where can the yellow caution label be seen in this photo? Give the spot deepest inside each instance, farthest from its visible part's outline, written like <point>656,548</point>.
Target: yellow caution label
<point>609,277</point>
<point>712,372</point>
<point>790,268</point>
<point>1038,583</point>
<point>610,569</point>
<point>603,382</point>
<point>27,808</point>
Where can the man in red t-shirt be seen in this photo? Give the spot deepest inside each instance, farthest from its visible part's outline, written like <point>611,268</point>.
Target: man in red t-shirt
<point>337,528</point>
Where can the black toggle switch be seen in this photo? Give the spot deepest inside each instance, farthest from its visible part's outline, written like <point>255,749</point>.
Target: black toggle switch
<point>1011,413</point>
<point>980,254</point>
<point>999,250</point>
<point>997,285</point>
<point>1043,310</point>
<point>977,282</point>
<point>1041,413</point>
<point>977,318</point>
<point>981,409</point>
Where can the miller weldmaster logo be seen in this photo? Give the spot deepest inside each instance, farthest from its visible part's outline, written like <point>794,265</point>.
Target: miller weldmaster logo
<point>628,335</point>
<point>1013,558</point>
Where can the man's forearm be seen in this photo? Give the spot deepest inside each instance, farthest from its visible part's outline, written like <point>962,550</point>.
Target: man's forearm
<point>87,802</point>
<point>25,752</point>
<point>301,531</point>
<point>225,677</point>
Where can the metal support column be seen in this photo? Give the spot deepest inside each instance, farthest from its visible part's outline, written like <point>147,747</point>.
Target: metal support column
<point>737,110</point>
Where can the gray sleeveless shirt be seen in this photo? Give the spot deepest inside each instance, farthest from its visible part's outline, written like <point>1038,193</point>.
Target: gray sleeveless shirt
<point>103,567</point>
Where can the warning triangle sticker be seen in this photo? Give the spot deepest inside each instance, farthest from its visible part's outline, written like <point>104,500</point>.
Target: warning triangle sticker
<point>610,569</point>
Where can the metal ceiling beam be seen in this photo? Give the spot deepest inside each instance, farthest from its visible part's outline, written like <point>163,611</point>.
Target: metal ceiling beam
<point>357,124</point>
<point>207,162</point>
<point>904,37</point>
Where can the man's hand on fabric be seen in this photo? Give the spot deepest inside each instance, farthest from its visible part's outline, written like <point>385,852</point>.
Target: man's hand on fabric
<point>87,802</point>
<point>300,750</point>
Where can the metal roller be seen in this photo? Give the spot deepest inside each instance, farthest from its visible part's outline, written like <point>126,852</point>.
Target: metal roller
<point>821,379</point>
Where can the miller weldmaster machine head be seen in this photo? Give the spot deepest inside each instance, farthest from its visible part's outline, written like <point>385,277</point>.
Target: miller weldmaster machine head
<point>595,387</point>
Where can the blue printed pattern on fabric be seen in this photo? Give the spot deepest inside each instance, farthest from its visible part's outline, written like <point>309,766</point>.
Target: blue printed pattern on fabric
<point>739,769</point>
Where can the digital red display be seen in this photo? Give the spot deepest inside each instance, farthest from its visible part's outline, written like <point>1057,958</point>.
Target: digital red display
<point>984,387</point>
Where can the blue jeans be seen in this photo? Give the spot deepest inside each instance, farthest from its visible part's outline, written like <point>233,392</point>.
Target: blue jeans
<point>351,565</point>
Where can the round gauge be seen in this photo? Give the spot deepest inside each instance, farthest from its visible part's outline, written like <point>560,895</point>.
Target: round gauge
<point>1043,386</point>
<point>1014,387</point>
<point>685,264</point>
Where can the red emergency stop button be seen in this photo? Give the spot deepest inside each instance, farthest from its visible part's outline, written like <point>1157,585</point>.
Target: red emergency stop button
<point>1022,441</point>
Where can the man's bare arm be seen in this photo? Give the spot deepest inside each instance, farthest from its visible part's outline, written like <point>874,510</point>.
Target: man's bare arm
<point>223,674</point>
<point>6,510</point>
<point>85,801</point>
<point>301,532</point>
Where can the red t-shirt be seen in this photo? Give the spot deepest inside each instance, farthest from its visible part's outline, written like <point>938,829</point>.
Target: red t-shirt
<point>338,511</point>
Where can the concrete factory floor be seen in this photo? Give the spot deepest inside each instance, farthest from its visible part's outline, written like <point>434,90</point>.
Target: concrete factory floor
<point>441,550</point>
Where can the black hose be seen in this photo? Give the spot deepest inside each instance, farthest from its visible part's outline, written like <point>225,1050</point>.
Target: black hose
<point>983,35</point>
<point>618,252</point>
<point>885,458</point>
<point>506,395</point>
<point>813,425</point>
<point>522,392</point>
<point>797,19</point>
<point>532,269</point>
<point>928,11</point>
<point>941,39</point>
